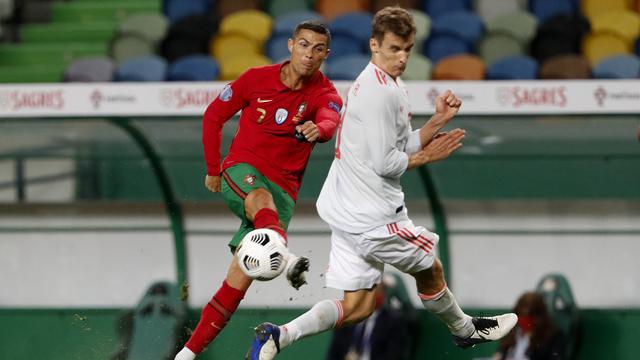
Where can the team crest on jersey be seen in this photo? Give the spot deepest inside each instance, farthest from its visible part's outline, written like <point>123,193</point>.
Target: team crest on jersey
<point>226,93</point>
<point>249,179</point>
<point>281,116</point>
<point>300,113</point>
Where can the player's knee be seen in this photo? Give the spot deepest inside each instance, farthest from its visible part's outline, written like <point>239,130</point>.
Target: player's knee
<point>258,199</point>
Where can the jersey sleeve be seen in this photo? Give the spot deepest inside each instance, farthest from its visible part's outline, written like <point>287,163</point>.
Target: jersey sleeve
<point>231,99</point>
<point>381,136</point>
<point>328,115</point>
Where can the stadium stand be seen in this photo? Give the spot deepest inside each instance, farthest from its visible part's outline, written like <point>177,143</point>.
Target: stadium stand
<point>553,33</point>
<point>194,68</point>
<point>144,68</point>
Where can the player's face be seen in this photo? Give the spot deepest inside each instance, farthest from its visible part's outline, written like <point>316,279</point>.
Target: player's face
<point>308,50</point>
<point>392,54</point>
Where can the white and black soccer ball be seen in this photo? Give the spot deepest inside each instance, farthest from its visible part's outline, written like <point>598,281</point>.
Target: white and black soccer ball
<point>262,254</point>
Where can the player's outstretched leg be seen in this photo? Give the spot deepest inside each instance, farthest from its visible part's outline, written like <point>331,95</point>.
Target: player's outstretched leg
<point>266,343</point>
<point>296,267</point>
<point>487,329</point>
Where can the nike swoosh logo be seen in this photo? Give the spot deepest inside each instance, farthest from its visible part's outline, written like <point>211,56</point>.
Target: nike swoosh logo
<point>264,100</point>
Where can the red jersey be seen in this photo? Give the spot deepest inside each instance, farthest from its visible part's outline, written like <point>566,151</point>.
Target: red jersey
<point>270,112</point>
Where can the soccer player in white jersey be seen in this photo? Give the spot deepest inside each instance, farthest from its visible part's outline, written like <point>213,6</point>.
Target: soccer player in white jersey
<point>363,202</point>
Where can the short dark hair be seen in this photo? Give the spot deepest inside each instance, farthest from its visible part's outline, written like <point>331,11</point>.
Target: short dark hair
<point>315,26</point>
<point>394,19</point>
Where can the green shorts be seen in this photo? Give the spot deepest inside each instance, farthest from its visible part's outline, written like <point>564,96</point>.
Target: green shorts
<point>238,181</point>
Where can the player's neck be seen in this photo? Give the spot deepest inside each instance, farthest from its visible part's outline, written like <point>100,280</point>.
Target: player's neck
<point>291,78</point>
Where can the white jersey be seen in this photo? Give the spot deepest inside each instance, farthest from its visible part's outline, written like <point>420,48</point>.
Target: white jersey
<point>362,190</point>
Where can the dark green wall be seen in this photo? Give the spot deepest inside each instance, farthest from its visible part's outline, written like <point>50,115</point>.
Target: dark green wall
<point>90,334</point>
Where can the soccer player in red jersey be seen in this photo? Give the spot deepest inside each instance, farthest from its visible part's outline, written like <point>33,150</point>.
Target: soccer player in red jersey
<point>286,109</point>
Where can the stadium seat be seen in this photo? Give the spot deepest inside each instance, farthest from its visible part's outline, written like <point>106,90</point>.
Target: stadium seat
<point>178,9</point>
<point>496,46</point>
<point>418,68</point>
<point>623,23</point>
<point>276,48</point>
<point>618,67</point>
<point>355,24</point>
<point>459,67</point>
<point>194,68</point>
<point>231,45</point>
<point>90,69</point>
<point>638,47</point>
<point>559,35</point>
<point>488,10</point>
<point>344,45</point>
<point>464,24</point>
<point>31,74</point>
<point>67,32</point>
<point>423,29</point>
<point>598,46</point>
<point>439,46</point>
<point>347,67</point>
<point>6,9</point>
<point>561,67</point>
<point>545,9</point>
<point>90,11</point>
<point>145,68</point>
<point>435,8</point>
<point>330,9</point>
<point>521,67</point>
<point>151,26</point>
<point>284,24</point>
<point>277,8</point>
<point>520,24</point>
<point>188,36</point>
<point>236,23</point>
<point>54,53</point>
<point>128,46</point>
<point>233,66</point>
<point>225,8</point>
<point>376,5</point>
<point>592,8</point>
<point>562,307</point>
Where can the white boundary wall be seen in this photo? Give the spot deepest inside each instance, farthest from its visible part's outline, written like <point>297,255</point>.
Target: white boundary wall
<point>190,99</point>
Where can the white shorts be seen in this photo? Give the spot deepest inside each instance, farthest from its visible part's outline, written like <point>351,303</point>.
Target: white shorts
<point>357,260</point>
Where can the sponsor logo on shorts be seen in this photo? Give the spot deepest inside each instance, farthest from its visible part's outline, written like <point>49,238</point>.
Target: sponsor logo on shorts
<point>250,179</point>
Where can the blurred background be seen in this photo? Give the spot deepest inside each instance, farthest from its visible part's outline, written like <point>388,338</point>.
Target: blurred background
<point>110,244</point>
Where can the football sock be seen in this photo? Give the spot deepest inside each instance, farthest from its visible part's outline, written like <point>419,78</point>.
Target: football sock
<point>215,316</point>
<point>267,218</point>
<point>322,316</point>
<point>444,306</point>
<point>185,354</point>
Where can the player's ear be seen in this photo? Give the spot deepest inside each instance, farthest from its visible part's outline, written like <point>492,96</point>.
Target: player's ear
<point>290,45</point>
<point>373,45</point>
<point>328,53</point>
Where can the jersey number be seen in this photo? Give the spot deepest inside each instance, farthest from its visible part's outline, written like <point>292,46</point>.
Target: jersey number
<point>262,112</point>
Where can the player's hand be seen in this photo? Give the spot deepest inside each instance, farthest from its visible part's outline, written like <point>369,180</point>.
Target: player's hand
<point>309,130</point>
<point>447,106</point>
<point>212,183</point>
<point>439,148</point>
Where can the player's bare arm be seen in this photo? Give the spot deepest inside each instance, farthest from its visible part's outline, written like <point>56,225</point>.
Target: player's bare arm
<point>440,148</point>
<point>447,106</point>
<point>212,183</point>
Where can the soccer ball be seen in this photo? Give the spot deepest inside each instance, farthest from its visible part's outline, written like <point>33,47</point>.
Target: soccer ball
<point>262,254</point>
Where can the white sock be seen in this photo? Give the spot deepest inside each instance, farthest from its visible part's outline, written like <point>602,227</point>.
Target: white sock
<point>444,306</point>
<point>185,354</point>
<point>322,316</point>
